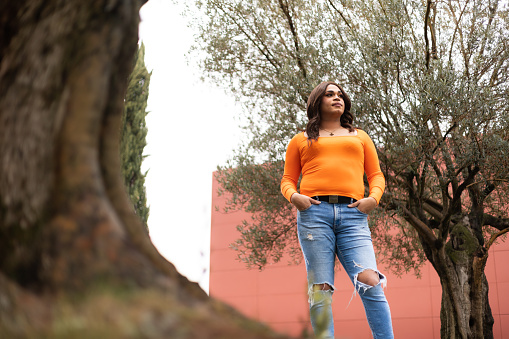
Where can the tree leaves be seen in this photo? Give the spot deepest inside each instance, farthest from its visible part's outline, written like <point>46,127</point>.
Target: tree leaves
<point>436,108</point>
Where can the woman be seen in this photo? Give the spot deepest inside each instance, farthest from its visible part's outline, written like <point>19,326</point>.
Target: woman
<point>333,156</point>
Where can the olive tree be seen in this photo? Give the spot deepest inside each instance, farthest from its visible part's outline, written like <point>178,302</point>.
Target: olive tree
<point>429,83</point>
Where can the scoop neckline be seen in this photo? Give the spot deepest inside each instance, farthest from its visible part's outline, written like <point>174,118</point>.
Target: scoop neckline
<point>335,136</point>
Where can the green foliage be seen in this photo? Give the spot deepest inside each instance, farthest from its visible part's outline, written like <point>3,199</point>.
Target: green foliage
<point>428,82</point>
<point>255,188</point>
<point>134,132</point>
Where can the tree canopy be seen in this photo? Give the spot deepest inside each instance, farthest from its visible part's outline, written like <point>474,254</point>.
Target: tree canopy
<point>428,82</point>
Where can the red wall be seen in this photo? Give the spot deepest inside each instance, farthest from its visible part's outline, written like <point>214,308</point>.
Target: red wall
<point>277,295</point>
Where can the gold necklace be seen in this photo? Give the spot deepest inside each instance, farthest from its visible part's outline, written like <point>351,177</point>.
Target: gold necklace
<point>331,132</point>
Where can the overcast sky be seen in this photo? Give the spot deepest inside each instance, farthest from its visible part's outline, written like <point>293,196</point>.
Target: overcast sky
<point>192,128</point>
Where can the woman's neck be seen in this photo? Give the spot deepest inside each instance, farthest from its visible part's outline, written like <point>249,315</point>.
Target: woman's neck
<point>330,124</point>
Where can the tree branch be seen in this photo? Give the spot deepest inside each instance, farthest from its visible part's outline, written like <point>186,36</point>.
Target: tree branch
<point>498,222</point>
<point>457,194</point>
<point>493,11</point>
<point>286,11</point>
<point>424,231</point>
<point>443,183</point>
<point>435,213</point>
<point>478,182</point>
<point>435,204</point>
<point>459,30</point>
<point>494,237</point>
<point>264,50</point>
<point>341,14</point>
<point>426,20</point>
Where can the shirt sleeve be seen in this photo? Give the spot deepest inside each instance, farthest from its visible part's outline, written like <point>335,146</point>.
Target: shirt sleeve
<point>372,169</point>
<point>292,169</point>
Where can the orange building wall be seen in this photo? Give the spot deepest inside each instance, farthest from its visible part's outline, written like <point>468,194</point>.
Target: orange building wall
<point>277,295</point>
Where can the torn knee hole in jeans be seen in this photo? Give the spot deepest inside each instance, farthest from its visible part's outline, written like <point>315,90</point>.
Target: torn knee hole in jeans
<point>358,285</point>
<point>322,287</point>
<point>382,280</point>
<point>368,277</point>
<point>319,293</point>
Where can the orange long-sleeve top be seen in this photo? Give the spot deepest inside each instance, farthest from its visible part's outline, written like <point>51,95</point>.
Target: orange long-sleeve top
<point>333,166</point>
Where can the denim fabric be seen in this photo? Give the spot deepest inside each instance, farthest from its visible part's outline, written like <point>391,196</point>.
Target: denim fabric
<point>329,230</point>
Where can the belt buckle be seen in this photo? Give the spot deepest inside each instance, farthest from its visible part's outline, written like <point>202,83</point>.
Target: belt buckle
<point>333,199</point>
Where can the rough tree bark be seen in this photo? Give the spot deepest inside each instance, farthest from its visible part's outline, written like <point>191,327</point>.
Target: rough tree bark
<point>465,311</point>
<point>67,227</point>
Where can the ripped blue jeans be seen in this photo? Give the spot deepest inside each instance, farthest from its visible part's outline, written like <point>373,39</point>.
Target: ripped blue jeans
<point>329,230</point>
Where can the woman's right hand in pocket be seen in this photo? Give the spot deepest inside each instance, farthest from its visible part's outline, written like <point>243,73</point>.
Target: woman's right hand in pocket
<point>303,202</point>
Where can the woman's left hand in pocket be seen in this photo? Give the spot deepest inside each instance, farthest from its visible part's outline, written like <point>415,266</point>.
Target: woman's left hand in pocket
<point>365,205</point>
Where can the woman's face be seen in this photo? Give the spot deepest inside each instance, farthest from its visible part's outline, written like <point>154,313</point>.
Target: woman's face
<point>332,101</point>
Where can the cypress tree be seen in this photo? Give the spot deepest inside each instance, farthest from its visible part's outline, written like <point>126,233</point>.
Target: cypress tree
<point>134,132</point>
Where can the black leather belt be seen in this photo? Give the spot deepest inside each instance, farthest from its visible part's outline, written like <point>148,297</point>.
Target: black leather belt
<point>335,199</point>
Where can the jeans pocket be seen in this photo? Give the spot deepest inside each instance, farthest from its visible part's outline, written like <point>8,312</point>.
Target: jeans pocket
<point>361,211</point>
<point>304,210</point>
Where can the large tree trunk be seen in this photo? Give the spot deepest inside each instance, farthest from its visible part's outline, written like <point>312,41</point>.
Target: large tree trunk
<point>66,223</point>
<point>465,311</point>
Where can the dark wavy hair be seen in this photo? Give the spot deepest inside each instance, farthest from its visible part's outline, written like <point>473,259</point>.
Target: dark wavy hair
<point>314,114</point>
